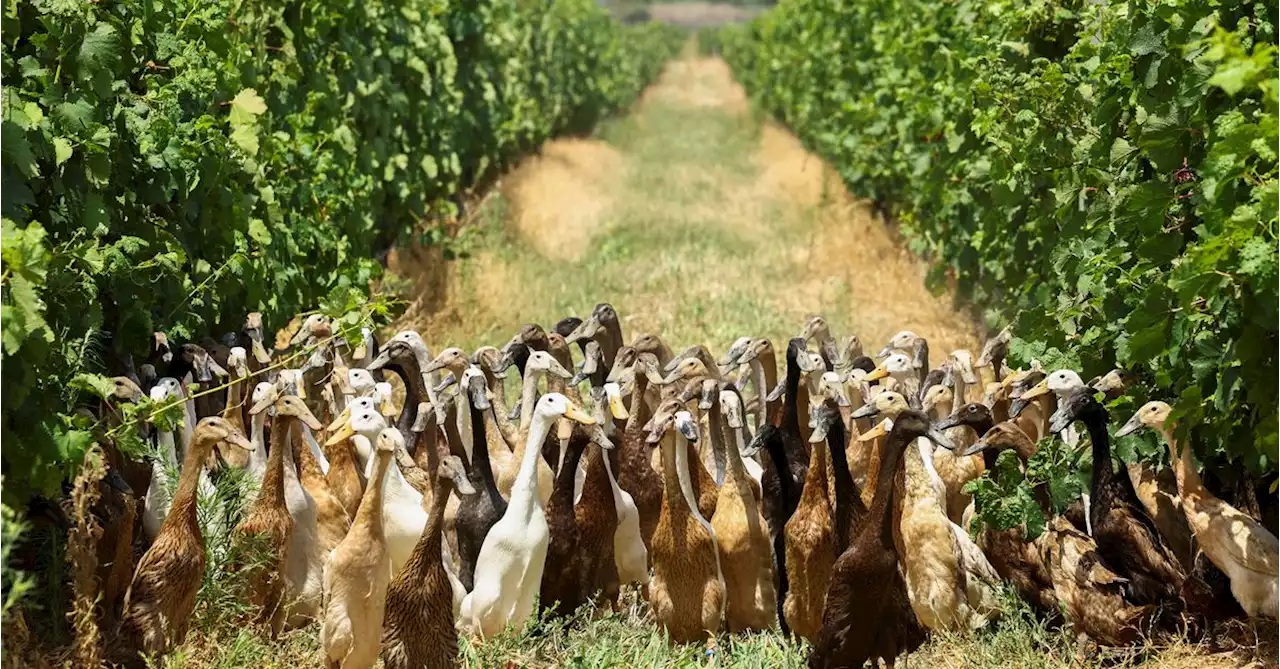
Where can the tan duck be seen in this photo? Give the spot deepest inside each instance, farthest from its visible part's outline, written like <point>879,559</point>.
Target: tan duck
<point>418,628</point>
<point>741,534</point>
<point>687,591</point>
<point>268,522</point>
<point>540,364</point>
<point>1090,594</point>
<point>238,366</point>
<point>332,521</point>
<point>1236,543</point>
<point>161,596</point>
<point>810,546</point>
<point>951,583</point>
<point>356,576</point>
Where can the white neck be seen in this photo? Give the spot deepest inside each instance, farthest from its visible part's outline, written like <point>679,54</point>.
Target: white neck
<point>528,396</point>
<point>527,478</point>
<point>257,458</point>
<point>167,449</point>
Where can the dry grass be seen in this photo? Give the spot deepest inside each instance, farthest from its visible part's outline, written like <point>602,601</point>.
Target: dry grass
<point>696,221</point>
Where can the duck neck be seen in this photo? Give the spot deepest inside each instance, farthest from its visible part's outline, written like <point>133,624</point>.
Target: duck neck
<point>528,397</point>
<point>892,449</point>
<point>715,425</point>
<point>639,414</point>
<point>815,480</point>
<point>411,376</point>
<point>562,489</point>
<point>233,412</point>
<point>481,470</point>
<point>499,410</point>
<point>527,477</point>
<point>791,402</point>
<point>1184,469</point>
<point>258,458</point>
<point>849,509</point>
<point>1103,471</point>
<point>768,362</point>
<point>683,474</point>
<point>308,467</point>
<point>433,533</point>
<point>369,515</point>
<point>182,510</point>
<point>271,492</point>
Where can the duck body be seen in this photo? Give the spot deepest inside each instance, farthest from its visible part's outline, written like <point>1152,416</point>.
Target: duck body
<point>743,541</point>
<point>418,630</point>
<point>513,556</point>
<point>1090,594</point>
<point>356,576</point>
<point>477,513</point>
<point>597,518</point>
<point>567,567</point>
<point>810,546</point>
<point>687,591</point>
<point>268,523</point>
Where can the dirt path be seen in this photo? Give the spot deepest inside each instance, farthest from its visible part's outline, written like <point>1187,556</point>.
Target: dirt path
<point>697,221</point>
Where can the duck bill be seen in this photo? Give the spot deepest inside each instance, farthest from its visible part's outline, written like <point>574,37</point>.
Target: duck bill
<point>1036,391</point>
<point>947,423</point>
<point>559,370</point>
<point>864,411</point>
<point>616,406</point>
<point>876,374</point>
<point>387,408</point>
<point>573,413</point>
<point>1059,422</point>
<point>688,429</point>
<point>819,431</point>
<point>1132,425</point>
<point>710,394</point>
<point>379,362</point>
<point>974,448</point>
<point>448,380</point>
<point>777,392</point>
<point>884,352</point>
<point>938,437</point>
<point>878,430</point>
<point>344,433</point>
<point>1017,406</point>
<point>239,441</point>
<point>340,420</point>
<point>479,395</point>
<point>262,405</point>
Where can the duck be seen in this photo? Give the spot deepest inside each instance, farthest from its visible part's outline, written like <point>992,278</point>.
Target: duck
<point>898,368</point>
<point>1062,383</point>
<point>763,362</point>
<point>863,579</point>
<point>332,520</point>
<point>951,583</point>
<point>1127,539</point>
<point>158,497</point>
<point>162,593</point>
<point>579,534</point>
<point>687,590</point>
<point>539,364</point>
<point>252,336</point>
<point>907,341</point>
<point>603,327</point>
<point>234,412</point>
<point>1233,541</point>
<point>509,567</point>
<point>418,627</point>
<point>954,469</point>
<point>406,354</point>
<point>357,574</point>
<point>1014,558</point>
<point>810,549</point>
<point>1090,594</point>
<point>636,475</point>
<point>479,512</point>
<point>595,509</point>
<point>268,522</point>
<point>630,554</point>
<point>742,537</point>
<point>817,330</point>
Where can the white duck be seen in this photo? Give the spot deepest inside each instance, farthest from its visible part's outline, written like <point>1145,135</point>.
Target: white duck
<point>509,568</point>
<point>155,505</point>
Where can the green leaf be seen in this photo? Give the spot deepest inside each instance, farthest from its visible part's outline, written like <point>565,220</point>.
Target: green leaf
<point>259,232</point>
<point>61,150</point>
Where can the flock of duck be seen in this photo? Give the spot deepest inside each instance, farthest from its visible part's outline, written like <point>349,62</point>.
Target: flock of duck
<point>829,504</point>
